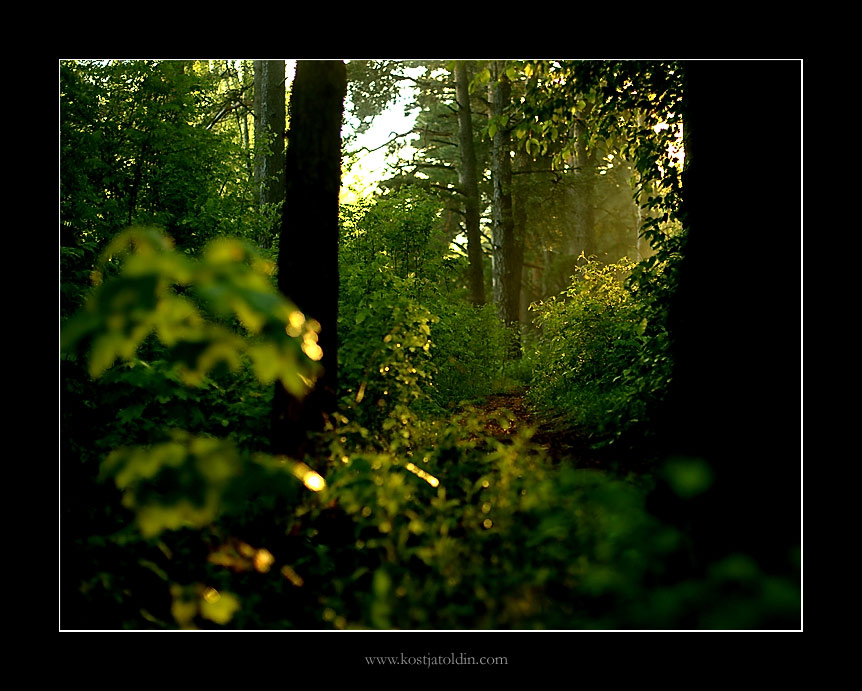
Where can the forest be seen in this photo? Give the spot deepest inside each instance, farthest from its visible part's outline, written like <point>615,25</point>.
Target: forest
<point>542,373</point>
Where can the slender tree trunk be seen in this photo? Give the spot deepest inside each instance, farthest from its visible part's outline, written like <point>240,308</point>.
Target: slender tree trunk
<point>523,163</point>
<point>241,114</point>
<point>269,125</point>
<point>507,262</point>
<point>585,222</point>
<point>308,251</point>
<point>468,180</point>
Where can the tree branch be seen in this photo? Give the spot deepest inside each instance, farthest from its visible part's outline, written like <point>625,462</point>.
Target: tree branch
<point>442,166</point>
<point>393,137</point>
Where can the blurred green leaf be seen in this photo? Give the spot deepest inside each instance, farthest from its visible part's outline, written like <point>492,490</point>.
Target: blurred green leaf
<point>688,477</point>
<point>220,607</point>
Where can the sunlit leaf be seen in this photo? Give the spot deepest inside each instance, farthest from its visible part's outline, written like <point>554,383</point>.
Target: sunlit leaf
<point>220,607</point>
<point>224,250</point>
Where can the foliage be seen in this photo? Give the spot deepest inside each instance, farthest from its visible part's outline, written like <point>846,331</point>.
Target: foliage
<point>372,86</point>
<point>470,531</point>
<point>598,358</point>
<point>397,280</point>
<point>400,227</point>
<point>449,526</point>
<point>633,114</point>
<point>473,533</point>
<point>200,319</point>
<point>626,117</point>
<point>137,147</point>
<point>388,374</point>
<point>188,305</point>
<point>426,512</point>
<point>157,290</point>
<point>470,350</point>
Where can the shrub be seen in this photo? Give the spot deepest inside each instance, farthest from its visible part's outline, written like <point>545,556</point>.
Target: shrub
<point>601,355</point>
<point>406,338</point>
<point>469,352</point>
<point>424,522</point>
<point>200,319</point>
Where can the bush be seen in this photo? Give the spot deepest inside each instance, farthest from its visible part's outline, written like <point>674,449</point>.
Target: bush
<point>135,150</point>
<point>201,320</point>
<point>422,522</point>
<point>469,352</point>
<point>406,338</point>
<point>601,355</point>
<point>472,532</point>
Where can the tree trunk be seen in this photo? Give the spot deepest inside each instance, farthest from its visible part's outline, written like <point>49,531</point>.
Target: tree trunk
<point>506,264</point>
<point>269,125</point>
<point>468,180</point>
<point>523,163</point>
<point>308,251</point>
<point>735,399</point>
<point>585,223</point>
<point>241,114</point>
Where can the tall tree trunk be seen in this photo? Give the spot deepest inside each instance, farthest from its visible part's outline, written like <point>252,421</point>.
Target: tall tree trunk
<point>735,399</point>
<point>468,180</point>
<point>308,251</point>
<point>523,163</point>
<point>506,267</point>
<point>269,125</point>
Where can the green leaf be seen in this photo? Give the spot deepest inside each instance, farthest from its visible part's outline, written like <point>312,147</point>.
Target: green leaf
<point>687,476</point>
<point>382,583</point>
<point>219,607</point>
<point>106,349</point>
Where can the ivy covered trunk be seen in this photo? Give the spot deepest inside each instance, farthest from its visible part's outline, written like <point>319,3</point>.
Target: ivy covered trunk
<point>308,251</point>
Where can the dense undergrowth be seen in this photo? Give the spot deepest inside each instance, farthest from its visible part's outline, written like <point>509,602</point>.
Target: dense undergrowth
<point>421,517</point>
<point>599,356</point>
<point>423,510</point>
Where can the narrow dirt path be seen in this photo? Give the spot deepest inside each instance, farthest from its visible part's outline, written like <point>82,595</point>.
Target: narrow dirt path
<point>560,440</point>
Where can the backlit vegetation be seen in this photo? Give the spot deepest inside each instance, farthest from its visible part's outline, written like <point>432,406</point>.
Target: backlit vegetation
<point>425,507</point>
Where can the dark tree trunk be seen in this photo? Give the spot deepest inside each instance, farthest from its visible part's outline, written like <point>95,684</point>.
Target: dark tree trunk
<point>469,184</point>
<point>508,259</point>
<point>308,251</point>
<point>269,124</point>
<point>735,321</point>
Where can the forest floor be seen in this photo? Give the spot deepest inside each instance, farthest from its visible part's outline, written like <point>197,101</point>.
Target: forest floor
<point>562,441</point>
